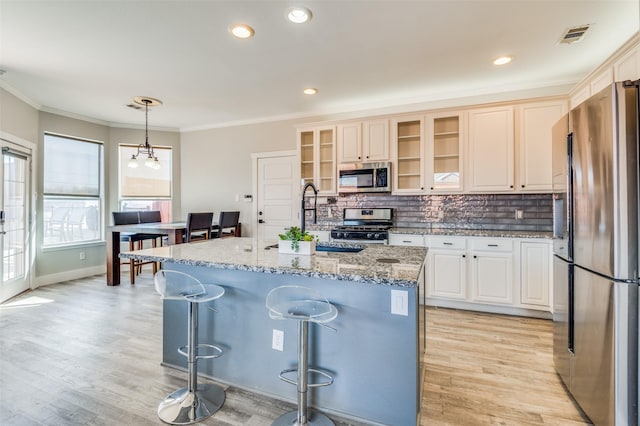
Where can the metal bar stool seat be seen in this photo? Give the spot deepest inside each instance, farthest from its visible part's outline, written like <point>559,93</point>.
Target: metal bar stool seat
<point>194,402</point>
<point>304,305</point>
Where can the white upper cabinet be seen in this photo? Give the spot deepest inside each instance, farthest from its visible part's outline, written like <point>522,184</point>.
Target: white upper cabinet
<point>491,149</point>
<point>364,142</point>
<point>408,155</point>
<point>444,152</point>
<point>350,142</point>
<point>375,140</point>
<point>535,121</point>
<point>317,151</point>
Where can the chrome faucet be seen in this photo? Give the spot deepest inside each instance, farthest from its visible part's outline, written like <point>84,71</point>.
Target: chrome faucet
<point>304,209</point>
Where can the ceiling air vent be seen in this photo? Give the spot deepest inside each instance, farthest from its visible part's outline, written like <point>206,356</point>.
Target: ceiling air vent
<point>574,35</point>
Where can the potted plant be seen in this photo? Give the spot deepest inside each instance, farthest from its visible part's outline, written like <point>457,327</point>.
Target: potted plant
<point>294,241</point>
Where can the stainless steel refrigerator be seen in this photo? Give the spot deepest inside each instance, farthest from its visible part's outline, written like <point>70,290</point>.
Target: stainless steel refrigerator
<point>596,304</point>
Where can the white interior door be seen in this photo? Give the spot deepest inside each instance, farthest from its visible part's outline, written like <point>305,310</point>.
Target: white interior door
<point>277,195</point>
<point>15,196</point>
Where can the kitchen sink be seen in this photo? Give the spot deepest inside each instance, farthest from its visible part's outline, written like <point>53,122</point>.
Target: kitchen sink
<point>340,248</point>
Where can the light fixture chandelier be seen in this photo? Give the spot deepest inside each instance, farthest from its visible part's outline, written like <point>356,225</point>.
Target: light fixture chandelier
<point>151,161</point>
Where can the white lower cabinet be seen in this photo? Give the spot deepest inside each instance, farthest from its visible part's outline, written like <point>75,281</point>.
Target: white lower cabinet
<point>492,277</point>
<point>447,267</point>
<point>492,270</point>
<point>447,272</point>
<point>416,240</point>
<point>535,274</point>
<point>505,275</point>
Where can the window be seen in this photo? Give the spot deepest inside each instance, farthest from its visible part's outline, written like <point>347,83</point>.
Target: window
<point>73,190</point>
<point>144,188</point>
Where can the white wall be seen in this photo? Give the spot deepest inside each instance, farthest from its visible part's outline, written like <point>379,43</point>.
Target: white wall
<point>216,165</point>
<point>17,117</point>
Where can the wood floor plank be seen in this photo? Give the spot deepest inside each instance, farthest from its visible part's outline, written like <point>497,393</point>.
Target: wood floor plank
<point>83,353</point>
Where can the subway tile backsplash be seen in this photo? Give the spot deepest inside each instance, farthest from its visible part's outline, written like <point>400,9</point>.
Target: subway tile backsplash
<point>469,211</point>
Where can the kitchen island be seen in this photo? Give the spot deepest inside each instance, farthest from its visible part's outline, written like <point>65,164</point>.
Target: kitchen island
<point>374,355</point>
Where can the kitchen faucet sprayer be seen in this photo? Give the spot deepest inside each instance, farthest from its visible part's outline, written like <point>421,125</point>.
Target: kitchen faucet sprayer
<point>304,209</point>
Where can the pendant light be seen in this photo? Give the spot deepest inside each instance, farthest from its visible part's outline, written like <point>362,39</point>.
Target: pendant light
<point>151,160</point>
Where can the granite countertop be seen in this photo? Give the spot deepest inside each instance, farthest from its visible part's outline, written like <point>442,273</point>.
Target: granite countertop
<point>399,266</point>
<point>463,232</point>
<point>473,232</point>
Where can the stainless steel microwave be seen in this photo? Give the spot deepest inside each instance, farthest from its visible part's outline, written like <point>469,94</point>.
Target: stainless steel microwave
<point>364,177</point>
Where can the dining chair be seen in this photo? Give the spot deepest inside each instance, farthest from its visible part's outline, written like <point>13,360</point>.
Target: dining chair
<point>128,218</point>
<point>198,226</point>
<point>75,220</point>
<point>227,225</point>
<point>57,222</point>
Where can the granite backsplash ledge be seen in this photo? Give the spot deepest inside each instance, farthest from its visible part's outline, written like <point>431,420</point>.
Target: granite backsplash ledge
<point>468,211</point>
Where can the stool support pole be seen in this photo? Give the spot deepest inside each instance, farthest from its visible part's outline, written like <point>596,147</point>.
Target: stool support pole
<point>192,342</point>
<point>303,350</point>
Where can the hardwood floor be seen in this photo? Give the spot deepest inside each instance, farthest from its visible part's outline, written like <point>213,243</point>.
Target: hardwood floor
<point>82,353</point>
<point>486,369</point>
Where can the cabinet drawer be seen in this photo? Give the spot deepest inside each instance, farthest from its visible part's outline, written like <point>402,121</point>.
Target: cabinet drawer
<point>490,244</point>
<point>406,240</point>
<point>447,242</point>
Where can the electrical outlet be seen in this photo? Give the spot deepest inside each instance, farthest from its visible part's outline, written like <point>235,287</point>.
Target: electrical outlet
<point>400,302</point>
<point>519,214</point>
<point>277,342</point>
<point>83,256</point>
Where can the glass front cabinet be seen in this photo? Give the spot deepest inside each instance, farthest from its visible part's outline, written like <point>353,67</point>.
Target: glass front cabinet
<point>445,142</point>
<point>317,148</point>
<point>408,153</point>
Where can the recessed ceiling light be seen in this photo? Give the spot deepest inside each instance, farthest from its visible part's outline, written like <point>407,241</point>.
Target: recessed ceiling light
<point>310,91</point>
<point>298,15</point>
<point>502,60</point>
<point>241,30</point>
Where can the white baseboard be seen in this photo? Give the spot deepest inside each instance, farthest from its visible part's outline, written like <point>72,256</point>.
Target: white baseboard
<point>69,275</point>
<point>494,309</point>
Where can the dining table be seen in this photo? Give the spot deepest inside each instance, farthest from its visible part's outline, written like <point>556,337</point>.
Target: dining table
<point>172,230</point>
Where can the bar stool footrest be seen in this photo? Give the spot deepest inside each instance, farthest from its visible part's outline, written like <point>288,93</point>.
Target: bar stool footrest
<point>216,351</point>
<point>284,378</point>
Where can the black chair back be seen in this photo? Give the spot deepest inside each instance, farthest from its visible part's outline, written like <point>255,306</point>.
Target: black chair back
<point>125,218</point>
<point>150,216</point>
<point>198,222</point>
<point>225,221</point>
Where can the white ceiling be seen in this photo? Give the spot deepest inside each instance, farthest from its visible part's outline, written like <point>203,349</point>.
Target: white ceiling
<point>92,57</point>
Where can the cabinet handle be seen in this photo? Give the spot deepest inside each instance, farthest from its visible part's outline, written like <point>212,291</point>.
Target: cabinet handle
<point>464,255</point>
<point>406,241</point>
<point>447,244</point>
<point>492,245</point>
<point>523,186</point>
<point>510,186</point>
<point>432,188</point>
<point>475,257</point>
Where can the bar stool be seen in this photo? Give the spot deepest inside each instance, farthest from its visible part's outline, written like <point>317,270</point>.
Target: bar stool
<point>194,402</point>
<point>303,305</point>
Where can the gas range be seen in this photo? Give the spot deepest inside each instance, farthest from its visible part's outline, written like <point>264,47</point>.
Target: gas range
<point>367,225</point>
